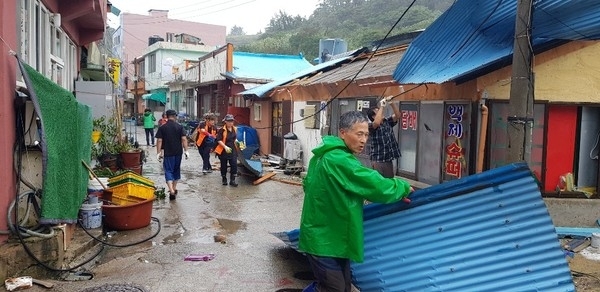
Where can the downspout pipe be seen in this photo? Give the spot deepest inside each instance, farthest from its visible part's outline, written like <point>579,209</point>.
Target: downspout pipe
<point>482,136</point>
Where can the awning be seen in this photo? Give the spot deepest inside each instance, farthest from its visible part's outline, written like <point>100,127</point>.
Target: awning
<point>158,96</point>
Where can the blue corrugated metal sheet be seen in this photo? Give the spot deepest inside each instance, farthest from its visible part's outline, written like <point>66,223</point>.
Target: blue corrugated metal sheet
<point>259,91</point>
<point>485,232</point>
<point>267,66</point>
<point>472,34</point>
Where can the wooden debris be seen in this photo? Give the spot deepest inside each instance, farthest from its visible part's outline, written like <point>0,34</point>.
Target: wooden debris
<point>577,245</point>
<point>264,178</point>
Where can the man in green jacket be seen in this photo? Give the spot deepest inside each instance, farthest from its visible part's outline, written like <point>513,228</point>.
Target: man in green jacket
<point>149,120</point>
<point>335,188</point>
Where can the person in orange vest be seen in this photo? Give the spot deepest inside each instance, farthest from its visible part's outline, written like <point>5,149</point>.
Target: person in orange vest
<point>226,143</point>
<point>206,141</point>
<point>163,120</point>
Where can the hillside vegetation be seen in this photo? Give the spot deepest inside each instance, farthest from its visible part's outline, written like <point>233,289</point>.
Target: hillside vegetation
<point>358,22</point>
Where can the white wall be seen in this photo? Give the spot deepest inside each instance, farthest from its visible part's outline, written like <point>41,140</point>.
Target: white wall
<point>309,138</point>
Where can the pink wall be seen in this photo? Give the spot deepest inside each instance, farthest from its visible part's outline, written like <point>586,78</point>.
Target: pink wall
<point>8,71</point>
<point>138,28</point>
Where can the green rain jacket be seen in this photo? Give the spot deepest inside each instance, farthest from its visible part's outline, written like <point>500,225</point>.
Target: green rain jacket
<point>335,188</point>
<point>149,120</point>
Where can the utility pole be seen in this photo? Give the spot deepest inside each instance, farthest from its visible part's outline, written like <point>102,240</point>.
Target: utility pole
<point>135,91</point>
<point>520,116</point>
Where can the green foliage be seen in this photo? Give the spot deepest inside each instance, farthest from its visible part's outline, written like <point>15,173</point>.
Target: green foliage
<point>237,30</point>
<point>358,22</point>
<point>107,144</point>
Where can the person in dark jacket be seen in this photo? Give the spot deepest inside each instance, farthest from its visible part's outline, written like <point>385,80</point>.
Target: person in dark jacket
<point>171,144</point>
<point>206,140</point>
<point>226,143</point>
<point>335,187</point>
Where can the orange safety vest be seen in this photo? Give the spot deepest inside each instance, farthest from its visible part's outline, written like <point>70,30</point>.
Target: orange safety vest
<point>202,135</point>
<point>220,148</point>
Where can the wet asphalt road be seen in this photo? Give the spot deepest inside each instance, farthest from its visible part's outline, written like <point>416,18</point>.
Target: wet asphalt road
<point>247,258</point>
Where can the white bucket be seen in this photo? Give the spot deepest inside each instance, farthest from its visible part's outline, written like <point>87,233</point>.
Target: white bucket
<point>95,188</point>
<point>91,215</point>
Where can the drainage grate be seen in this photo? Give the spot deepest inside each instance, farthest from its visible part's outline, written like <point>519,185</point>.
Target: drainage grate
<point>115,288</point>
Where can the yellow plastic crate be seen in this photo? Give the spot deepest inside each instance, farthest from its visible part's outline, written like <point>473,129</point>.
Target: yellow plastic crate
<point>130,175</point>
<point>132,190</point>
<point>124,201</point>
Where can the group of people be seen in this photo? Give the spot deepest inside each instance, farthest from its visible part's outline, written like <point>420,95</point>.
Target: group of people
<point>172,143</point>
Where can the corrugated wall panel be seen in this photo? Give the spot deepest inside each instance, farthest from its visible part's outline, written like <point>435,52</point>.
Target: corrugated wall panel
<point>486,232</point>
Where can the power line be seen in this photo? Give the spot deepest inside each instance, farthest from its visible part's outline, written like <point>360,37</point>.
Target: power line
<point>355,75</point>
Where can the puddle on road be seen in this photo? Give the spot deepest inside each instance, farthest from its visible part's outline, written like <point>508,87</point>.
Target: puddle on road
<point>172,238</point>
<point>231,226</point>
<point>207,234</point>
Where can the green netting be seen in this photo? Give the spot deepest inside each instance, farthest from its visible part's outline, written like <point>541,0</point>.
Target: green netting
<point>66,141</point>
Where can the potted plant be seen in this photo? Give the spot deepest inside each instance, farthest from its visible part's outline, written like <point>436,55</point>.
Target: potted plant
<point>106,148</point>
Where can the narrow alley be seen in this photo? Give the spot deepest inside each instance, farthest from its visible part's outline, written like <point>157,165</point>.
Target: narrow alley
<point>234,224</point>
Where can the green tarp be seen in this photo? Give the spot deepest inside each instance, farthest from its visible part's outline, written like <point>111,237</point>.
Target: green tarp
<point>158,96</point>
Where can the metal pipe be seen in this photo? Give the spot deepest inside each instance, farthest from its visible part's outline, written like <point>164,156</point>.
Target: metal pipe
<point>482,136</point>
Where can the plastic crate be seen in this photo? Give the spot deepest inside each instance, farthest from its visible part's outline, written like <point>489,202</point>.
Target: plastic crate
<point>131,190</point>
<point>125,201</point>
<point>130,175</point>
<point>129,180</point>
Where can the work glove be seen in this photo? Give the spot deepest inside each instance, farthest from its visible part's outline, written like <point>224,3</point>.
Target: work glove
<point>241,144</point>
<point>187,154</point>
<point>159,157</point>
<point>227,149</point>
<point>382,103</point>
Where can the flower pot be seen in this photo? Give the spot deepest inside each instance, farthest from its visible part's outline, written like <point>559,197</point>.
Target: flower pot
<point>131,159</point>
<point>109,161</point>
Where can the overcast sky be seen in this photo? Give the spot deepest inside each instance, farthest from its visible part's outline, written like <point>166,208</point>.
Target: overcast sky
<point>252,15</point>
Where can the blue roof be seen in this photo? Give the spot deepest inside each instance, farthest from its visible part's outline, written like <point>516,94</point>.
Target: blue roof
<point>485,232</point>
<point>473,34</point>
<point>261,90</point>
<point>266,66</point>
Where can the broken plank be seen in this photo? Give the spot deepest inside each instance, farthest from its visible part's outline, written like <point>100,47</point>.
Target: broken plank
<point>575,232</point>
<point>264,178</point>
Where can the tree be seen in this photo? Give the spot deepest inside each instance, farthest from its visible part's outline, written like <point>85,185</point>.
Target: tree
<point>284,22</point>
<point>237,30</point>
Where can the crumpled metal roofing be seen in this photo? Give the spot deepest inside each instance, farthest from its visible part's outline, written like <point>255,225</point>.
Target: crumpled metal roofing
<point>485,232</point>
<point>473,34</point>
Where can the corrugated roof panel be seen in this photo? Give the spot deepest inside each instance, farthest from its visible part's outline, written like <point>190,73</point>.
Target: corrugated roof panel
<point>472,34</point>
<point>259,91</point>
<point>267,66</point>
<point>485,232</point>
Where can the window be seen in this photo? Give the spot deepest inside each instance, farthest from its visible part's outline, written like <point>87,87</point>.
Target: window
<point>45,46</point>
<point>189,93</point>
<point>152,63</point>
<point>142,69</point>
<point>257,112</point>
